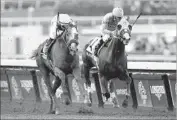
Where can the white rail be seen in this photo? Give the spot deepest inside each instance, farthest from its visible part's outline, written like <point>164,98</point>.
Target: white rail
<point>131,57</point>
<point>131,65</point>
<point>82,18</point>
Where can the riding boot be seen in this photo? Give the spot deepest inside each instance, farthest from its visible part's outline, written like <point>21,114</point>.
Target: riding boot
<point>46,48</point>
<point>97,47</point>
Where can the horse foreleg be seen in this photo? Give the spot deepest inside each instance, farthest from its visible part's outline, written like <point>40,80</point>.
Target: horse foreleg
<point>128,81</point>
<point>66,92</point>
<point>61,75</point>
<point>56,85</point>
<point>113,95</point>
<point>104,86</point>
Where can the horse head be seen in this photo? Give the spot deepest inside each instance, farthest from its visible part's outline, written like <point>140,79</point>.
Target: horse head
<point>70,36</point>
<point>123,30</point>
<point>121,37</point>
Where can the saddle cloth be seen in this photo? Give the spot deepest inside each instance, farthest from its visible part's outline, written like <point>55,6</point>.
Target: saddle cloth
<point>92,45</point>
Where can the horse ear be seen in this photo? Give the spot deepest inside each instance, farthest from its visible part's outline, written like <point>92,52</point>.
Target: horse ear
<point>130,27</point>
<point>76,22</point>
<point>128,18</point>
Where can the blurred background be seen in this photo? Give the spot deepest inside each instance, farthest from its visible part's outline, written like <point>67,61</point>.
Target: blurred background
<point>25,24</point>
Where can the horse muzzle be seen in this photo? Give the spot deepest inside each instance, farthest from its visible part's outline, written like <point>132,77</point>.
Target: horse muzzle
<point>126,39</point>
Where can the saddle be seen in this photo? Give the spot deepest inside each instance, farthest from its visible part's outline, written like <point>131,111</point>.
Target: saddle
<point>92,45</point>
<point>95,46</point>
<point>48,45</point>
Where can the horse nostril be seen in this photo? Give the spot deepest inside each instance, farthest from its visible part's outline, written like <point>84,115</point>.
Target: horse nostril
<point>126,36</point>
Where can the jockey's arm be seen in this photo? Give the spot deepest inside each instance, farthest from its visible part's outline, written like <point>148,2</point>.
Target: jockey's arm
<point>104,29</point>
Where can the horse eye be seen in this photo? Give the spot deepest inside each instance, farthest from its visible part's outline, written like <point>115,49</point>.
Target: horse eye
<point>130,27</point>
<point>119,26</point>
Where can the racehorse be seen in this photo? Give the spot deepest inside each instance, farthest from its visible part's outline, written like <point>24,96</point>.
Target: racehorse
<point>63,60</point>
<point>111,63</point>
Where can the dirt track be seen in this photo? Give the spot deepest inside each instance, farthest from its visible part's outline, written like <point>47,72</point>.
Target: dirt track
<point>11,110</point>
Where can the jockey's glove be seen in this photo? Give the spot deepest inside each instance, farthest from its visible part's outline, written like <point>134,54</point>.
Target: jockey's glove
<point>61,27</point>
<point>112,34</point>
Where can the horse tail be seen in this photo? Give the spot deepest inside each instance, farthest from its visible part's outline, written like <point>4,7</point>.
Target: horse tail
<point>34,54</point>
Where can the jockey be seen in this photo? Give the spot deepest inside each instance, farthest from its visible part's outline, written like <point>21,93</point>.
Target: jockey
<point>109,23</point>
<point>57,27</point>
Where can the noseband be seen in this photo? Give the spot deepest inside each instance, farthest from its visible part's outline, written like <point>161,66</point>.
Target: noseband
<point>122,32</point>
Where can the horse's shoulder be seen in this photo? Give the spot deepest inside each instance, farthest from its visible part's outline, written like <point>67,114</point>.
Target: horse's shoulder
<point>76,61</point>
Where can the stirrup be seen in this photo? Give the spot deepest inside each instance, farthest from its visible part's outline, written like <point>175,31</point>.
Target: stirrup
<point>44,56</point>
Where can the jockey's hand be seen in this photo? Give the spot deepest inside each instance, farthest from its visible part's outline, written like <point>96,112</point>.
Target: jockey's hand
<point>61,27</point>
<point>111,34</point>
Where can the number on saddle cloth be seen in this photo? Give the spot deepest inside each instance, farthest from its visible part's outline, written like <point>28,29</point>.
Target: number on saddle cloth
<point>92,45</point>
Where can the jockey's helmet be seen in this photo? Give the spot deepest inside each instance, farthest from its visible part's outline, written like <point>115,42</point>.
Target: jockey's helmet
<point>118,12</point>
<point>65,18</point>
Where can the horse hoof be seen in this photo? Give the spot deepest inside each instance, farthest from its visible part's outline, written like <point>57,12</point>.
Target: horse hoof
<point>67,101</point>
<point>115,103</point>
<point>89,104</point>
<point>134,107</point>
<point>125,104</point>
<point>116,106</point>
<point>101,105</point>
<point>107,95</point>
<point>57,111</point>
<point>51,112</point>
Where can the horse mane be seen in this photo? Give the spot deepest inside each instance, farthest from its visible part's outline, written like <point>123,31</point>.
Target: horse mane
<point>37,51</point>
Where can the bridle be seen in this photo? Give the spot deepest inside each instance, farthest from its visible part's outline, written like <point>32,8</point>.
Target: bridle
<point>64,34</point>
<point>122,31</point>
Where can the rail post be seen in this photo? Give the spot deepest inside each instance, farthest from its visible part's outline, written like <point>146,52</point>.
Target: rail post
<point>168,92</point>
<point>98,89</point>
<point>133,93</point>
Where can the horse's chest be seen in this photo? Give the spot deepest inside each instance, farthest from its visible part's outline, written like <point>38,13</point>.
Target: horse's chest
<point>69,59</point>
<point>66,67</point>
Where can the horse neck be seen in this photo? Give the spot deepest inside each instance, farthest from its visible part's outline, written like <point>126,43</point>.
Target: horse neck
<point>115,49</point>
<point>116,46</point>
<point>59,49</point>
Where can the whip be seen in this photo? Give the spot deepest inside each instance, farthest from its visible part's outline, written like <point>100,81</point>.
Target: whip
<point>137,18</point>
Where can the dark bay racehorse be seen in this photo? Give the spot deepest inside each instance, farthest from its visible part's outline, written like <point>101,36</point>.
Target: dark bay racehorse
<point>112,61</point>
<point>64,60</point>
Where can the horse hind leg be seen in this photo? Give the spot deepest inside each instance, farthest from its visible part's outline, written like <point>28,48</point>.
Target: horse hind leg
<point>45,72</point>
<point>87,84</point>
<point>49,87</point>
